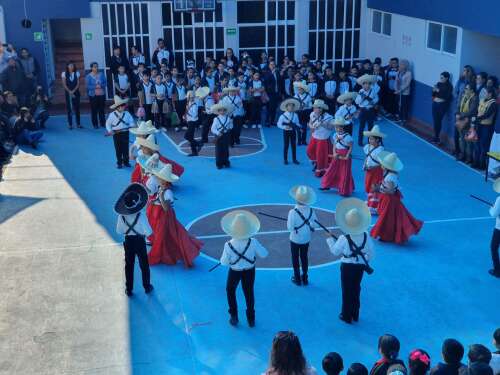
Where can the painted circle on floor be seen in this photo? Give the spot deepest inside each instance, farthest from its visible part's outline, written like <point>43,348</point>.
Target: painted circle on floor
<point>273,235</point>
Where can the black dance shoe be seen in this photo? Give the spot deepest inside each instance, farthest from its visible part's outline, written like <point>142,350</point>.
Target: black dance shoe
<point>129,293</point>
<point>305,280</point>
<point>344,319</point>
<point>148,289</point>
<point>297,282</point>
<point>234,320</point>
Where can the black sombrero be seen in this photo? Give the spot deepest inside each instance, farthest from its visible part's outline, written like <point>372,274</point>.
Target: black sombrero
<point>132,200</point>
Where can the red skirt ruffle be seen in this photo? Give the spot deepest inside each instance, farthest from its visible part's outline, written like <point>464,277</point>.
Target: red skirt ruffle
<point>136,174</point>
<point>171,241</point>
<point>319,151</point>
<point>177,169</point>
<point>395,223</point>
<point>373,176</point>
<point>339,175</point>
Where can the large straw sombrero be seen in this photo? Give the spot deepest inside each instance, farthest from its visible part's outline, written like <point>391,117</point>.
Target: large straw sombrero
<point>353,216</point>
<point>375,132</point>
<point>144,128</point>
<point>202,92</point>
<point>301,85</point>
<point>346,96</point>
<point>319,103</point>
<point>149,163</point>
<point>340,121</point>
<point>303,194</point>
<point>390,161</point>
<point>227,90</point>
<point>496,185</point>
<point>164,172</point>
<point>220,106</point>
<point>132,200</point>
<point>149,142</point>
<point>367,78</point>
<point>286,102</point>
<point>118,102</point>
<point>240,224</point>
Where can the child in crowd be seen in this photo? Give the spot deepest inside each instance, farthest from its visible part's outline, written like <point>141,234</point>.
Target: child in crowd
<point>145,92</point>
<point>221,129</point>
<point>288,122</point>
<point>180,100</point>
<point>159,101</point>
<point>347,110</point>
<point>302,95</point>
<point>332,364</point>
<point>388,347</point>
<point>419,362</point>
<point>320,146</point>
<point>255,90</point>
<point>452,352</point>
<point>495,356</point>
<point>191,118</point>
<point>357,369</point>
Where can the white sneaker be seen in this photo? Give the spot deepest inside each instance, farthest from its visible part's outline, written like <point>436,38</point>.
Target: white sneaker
<point>176,129</point>
<point>245,126</point>
<point>259,126</point>
<point>184,128</point>
<point>254,126</point>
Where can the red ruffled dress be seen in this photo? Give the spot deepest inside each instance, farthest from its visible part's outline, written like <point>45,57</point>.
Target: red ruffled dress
<point>374,175</point>
<point>320,147</point>
<point>177,169</point>
<point>172,242</point>
<point>395,223</point>
<point>339,173</point>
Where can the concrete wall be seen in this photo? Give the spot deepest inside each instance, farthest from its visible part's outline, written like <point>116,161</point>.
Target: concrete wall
<point>3,36</point>
<point>481,51</point>
<point>93,50</point>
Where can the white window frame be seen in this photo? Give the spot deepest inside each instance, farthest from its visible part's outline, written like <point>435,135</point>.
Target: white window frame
<point>382,16</point>
<point>440,50</point>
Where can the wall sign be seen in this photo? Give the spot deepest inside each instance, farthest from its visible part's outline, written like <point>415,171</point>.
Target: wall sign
<point>38,36</point>
<point>231,31</point>
<point>88,36</point>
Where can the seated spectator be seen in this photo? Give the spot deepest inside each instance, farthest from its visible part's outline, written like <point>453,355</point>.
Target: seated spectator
<point>397,369</point>
<point>357,369</point>
<point>39,107</point>
<point>479,353</point>
<point>388,347</point>
<point>10,106</point>
<point>333,364</point>
<point>441,98</point>
<point>419,362</point>
<point>495,356</point>
<point>466,109</point>
<point>287,357</point>
<point>452,352</point>
<point>24,131</point>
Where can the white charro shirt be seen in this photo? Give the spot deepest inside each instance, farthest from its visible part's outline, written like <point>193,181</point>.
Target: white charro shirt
<point>192,112</point>
<point>287,117</point>
<point>321,132</point>
<point>119,121</point>
<point>236,262</point>
<point>341,248</point>
<point>342,141</point>
<point>495,212</point>
<point>301,235</point>
<point>142,226</point>
<point>371,153</point>
<point>346,112</point>
<point>236,103</point>
<point>221,125</point>
<point>305,100</point>
<point>362,99</point>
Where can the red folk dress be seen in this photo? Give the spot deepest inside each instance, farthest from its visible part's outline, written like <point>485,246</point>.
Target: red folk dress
<point>339,173</point>
<point>177,169</point>
<point>395,223</point>
<point>374,175</point>
<point>320,147</point>
<point>172,242</point>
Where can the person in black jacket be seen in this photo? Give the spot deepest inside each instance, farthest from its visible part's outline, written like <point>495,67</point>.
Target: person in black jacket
<point>273,82</point>
<point>117,60</point>
<point>388,347</point>
<point>442,94</point>
<point>162,55</point>
<point>13,79</point>
<point>452,352</point>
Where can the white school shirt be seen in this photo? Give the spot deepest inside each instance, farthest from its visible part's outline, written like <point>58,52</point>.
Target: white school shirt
<point>243,90</point>
<point>305,100</point>
<point>346,112</point>
<point>113,122</point>
<point>343,87</point>
<point>181,92</point>
<point>161,90</point>
<point>192,112</point>
<point>170,88</point>
<point>221,125</point>
<point>211,83</point>
<point>231,259</point>
<point>236,103</point>
<point>341,142</point>
<point>495,363</point>
<point>148,99</point>
<point>372,160</point>
<point>391,177</point>
<point>495,212</point>
<point>142,227</point>
<point>341,248</point>
<point>163,54</point>
<point>122,81</point>
<point>321,132</point>
<point>136,60</point>
<point>208,102</point>
<point>287,117</point>
<point>313,89</point>
<point>288,83</point>
<point>302,235</point>
<point>364,102</point>
<point>256,85</point>
<point>330,87</point>
<point>71,75</point>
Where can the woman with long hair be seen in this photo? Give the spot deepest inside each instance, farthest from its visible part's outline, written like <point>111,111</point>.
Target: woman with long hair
<point>71,83</point>
<point>96,91</point>
<point>442,94</point>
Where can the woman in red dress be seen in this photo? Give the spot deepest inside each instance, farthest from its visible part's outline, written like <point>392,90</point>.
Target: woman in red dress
<point>319,148</point>
<point>374,174</point>
<point>144,129</point>
<point>395,223</point>
<point>339,173</point>
<point>171,241</point>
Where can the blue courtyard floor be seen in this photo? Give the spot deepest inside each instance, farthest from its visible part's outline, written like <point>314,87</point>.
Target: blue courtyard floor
<point>434,287</point>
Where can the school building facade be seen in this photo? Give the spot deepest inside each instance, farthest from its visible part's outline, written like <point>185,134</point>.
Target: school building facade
<point>433,35</point>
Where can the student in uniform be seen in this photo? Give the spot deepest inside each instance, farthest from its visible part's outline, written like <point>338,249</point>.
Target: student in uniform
<point>180,100</point>
<point>392,100</point>
<point>231,99</point>
<point>122,83</point>
<point>146,93</point>
<point>373,170</point>
<point>495,239</point>
<point>302,95</point>
<point>330,89</point>
<point>301,222</point>
<point>243,93</point>
<point>191,118</point>
<point>239,255</point>
<point>344,84</point>
<point>207,117</point>
<point>319,148</point>
<point>366,100</point>
<point>348,111</point>
<point>221,128</point>
<point>395,223</point>
<point>159,101</point>
<point>255,90</point>
<point>312,83</point>
<point>133,225</point>
<point>118,124</point>
<point>339,173</point>
<point>353,217</point>
<point>71,83</point>
<point>288,122</point>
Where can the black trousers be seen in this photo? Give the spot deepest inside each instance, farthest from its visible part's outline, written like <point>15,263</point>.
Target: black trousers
<point>366,117</point>
<point>73,107</point>
<point>289,139</point>
<point>236,131</point>
<point>438,112</point>
<point>222,150</point>
<point>136,245</point>
<point>97,104</point>
<point>302,132</point>
<point>206,125</point>
<point>180,108</point>
<point>272,106</point>
<point>189,136</point>
<point>495,243</point>
<point>391,102</point>
<point>247,278</point>
<point>159,117</point>
<point>149,113</point>
<point>404,107</point>
<point>120,140</point>
<point>299,251</point>
<point>331,103</point>
<point>255,108</point>
<point>350,278</point>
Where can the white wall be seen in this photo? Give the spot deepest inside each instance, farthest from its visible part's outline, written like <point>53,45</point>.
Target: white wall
<point>408,40</point>
<point>155,25</point>
<point>93,50</point>
<point>3,36</point>
<point>481,51</point>
<point>301,28</point>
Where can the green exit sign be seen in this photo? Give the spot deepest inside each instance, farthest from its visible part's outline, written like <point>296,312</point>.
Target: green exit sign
<point>88,36</point>
<point>231,31</point>
<point>38,36</point>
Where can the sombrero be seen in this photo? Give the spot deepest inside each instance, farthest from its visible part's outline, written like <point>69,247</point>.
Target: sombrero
<point>240,224</point>
<point>340,121</point>
<point>375,132</point>
<point>149,163</point>
<point>352,215</point>
<point>347,96</point>
<point>132,200</point>
<point>367,78</point>
<point>318,103</point>
<point>118,102</point>
<point>144,128</point>
<point>303,194</point>
<point>219,106</point>
<point>390,161</point>
<point>202,92</point>
<point>227,90</point>
<point>286,102</point>
<point>496,185</point>
<point>164,172</point>
<point>301,85</point>
<point>149,142</point>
